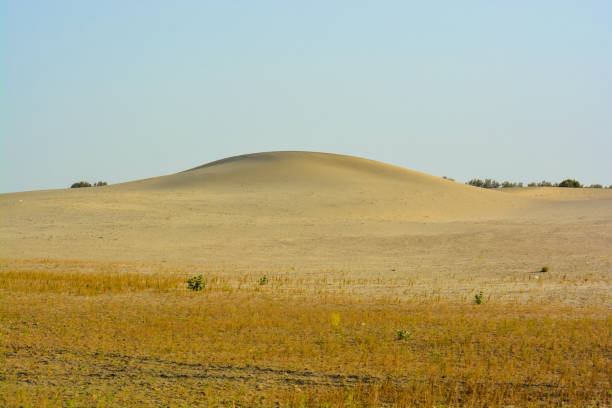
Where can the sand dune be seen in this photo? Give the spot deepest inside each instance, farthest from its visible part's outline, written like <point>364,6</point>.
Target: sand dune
<point>290,170</point>
<point>322,183</point>
<point>310,210</point>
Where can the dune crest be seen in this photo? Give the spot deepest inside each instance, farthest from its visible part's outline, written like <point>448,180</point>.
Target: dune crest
<point>287,168</point>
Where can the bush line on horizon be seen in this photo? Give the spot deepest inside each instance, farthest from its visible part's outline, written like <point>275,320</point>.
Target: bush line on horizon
<point>490,183</point>
<point>486,183</point>
<point>80,184</point>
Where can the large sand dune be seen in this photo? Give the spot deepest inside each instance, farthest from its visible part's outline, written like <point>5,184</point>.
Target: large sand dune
<point>312,211</point>
<point>322,184</point>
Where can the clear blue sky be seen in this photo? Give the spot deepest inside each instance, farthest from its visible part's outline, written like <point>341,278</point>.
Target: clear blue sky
<point>122,90</point>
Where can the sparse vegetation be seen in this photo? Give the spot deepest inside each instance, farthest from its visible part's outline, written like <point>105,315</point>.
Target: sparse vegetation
<point>545,183</point>
<point>403,334</point>
<point>478,298</point>
<point>544,269</point>
<point>64,346</point>
<point>508,184</point>
<point>80,184</point>
<point>196,283</point>
<point>487,183</point>
<point>571,183</point>
<point>263,280</point>
<point>490,183</point>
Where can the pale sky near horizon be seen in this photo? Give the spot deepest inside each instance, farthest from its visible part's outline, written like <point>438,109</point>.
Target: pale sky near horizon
<point>124,90</point>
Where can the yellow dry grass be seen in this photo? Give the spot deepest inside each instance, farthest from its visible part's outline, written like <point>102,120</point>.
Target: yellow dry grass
<point>96,334</point>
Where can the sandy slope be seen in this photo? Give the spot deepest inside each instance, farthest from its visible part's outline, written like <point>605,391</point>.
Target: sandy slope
<point>315,211</point>
<point>305,184</point>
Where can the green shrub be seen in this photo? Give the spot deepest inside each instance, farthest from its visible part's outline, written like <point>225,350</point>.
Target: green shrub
<point>478,298</point>
<point>196,283</point>
<point>487,183</point>
<point>80,184</point>
<point>570,183</point>
<point>475,182</point>
<point>263,280</point>
<point>545,269</point>
<point>403,334</point>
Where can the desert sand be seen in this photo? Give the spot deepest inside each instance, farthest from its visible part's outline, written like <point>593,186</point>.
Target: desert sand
<point>317,214</point>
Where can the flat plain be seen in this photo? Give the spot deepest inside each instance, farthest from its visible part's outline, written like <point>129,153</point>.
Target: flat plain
<point>330,281</point>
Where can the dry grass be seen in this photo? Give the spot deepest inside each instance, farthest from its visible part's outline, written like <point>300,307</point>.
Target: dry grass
<point>97,334</point>
<point>84,283</point>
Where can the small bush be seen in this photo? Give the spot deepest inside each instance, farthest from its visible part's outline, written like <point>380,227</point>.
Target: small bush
<point>100,184</point>
<point>263,280</point>
<point>403,334</point>
<point>532,184</point>
<point>475,182</point>
<point>80,184</point>
<point>491,183</point>
<point>544,269</point>
<point>571,183</point>
<point>487,183</point>
<point>196,283</point>
<point>478,298</point>
<point>545,183</point>
<point>448,178</point>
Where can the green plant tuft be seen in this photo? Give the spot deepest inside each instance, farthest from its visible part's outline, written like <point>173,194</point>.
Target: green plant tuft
<point>478,298</point>
<point>403,334</point>
<point>196,283</point>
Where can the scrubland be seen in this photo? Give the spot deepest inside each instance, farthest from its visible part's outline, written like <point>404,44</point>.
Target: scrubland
<point>110,334</point>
